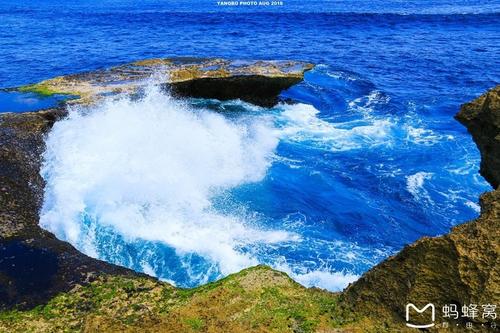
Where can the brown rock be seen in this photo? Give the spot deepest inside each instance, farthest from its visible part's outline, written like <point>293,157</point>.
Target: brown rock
<point>482,119</point>
<point>258,82</point>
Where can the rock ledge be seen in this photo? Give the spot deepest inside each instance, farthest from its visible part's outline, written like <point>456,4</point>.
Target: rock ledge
<point>258,82</point>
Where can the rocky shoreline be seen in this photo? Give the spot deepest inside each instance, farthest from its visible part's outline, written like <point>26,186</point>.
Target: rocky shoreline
<point>60,265</point>
<point>47,285</point>
<point>257,82</point>
<point>34,264</point>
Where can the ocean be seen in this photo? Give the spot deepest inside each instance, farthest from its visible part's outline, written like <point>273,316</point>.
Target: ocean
<point>367,161</point>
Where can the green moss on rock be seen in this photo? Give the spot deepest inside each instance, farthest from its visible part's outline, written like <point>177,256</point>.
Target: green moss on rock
<point>258,82</point>
<point>41,89</point>
<point>257,299</point>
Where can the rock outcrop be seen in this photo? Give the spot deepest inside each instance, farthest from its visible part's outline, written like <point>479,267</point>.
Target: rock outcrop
<point>257,82</point>
<point>257,299</point>
<point>461,268</point>
<point>483,122</point>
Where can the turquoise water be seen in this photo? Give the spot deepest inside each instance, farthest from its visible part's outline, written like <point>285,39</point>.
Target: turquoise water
<point>369,160</point>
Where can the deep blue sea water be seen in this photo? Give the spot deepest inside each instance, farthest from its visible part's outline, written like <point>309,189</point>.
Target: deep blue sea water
<point>370,160</point>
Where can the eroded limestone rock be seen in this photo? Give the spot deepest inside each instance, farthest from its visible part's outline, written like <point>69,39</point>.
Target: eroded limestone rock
<point>257,82</point>
<point>482,119</point>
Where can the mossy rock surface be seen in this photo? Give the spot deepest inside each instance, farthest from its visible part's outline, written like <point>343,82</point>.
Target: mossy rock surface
<point>258,82</point>
<point>257,299</point>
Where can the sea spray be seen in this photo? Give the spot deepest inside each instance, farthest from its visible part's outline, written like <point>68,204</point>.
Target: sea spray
<point>172,189</point>
<point>147,184</point>
<point>147,170</point>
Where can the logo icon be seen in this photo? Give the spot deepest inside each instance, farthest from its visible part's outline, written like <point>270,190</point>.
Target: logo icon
<point>410,306</point>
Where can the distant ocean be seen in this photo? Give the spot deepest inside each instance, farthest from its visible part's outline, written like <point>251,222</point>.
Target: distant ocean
<point>369,160</point>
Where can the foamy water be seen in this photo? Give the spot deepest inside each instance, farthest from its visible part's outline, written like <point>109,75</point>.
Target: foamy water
<point>190,191</point>
<point>147,170</point>
<point>303,124</point>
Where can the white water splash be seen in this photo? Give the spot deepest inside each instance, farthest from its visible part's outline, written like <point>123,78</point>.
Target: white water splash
<point>474,206</point>
<point>423,136</point>
<point>148,169</point>
<point>366,104</point>
<point>326,279</point>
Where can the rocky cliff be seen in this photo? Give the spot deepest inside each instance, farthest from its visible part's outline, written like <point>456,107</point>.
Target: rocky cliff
<point>47,285</point>
<point>482,119</point>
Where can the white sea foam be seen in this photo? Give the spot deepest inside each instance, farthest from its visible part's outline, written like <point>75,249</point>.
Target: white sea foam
<point>415,185</point>
<point>148,169</point>
<point>303,124</point>
<point>474,206</point>
<point>322,277</point>
<point>425,136</point>
<point>339,75</point>
<point>146,268</point>
<point>334,281</point>
<point>365,104</point>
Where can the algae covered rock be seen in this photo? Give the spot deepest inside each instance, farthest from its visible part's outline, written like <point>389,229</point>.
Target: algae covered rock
<point>258,82</point>
<point>257,299</point>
